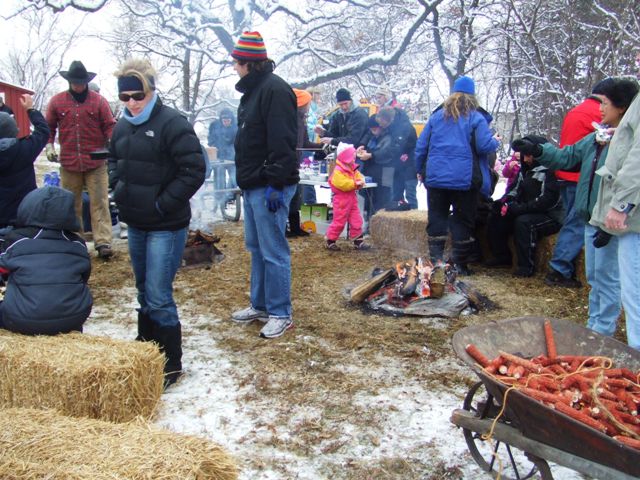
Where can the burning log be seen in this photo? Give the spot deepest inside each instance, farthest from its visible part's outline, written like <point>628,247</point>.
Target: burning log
<point>417,287</point>
<point>361,292</point>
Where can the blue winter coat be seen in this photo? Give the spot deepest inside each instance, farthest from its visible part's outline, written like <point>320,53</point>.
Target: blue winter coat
<point>17,176</point>
<point>223,138</point>
<point>48,265</point>
<point>444,155</point>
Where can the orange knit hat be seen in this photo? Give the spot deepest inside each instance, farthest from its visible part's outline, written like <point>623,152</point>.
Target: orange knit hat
<point>302,96</point>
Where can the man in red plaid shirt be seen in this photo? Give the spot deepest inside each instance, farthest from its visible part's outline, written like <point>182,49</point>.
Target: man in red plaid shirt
<point>84,122</point>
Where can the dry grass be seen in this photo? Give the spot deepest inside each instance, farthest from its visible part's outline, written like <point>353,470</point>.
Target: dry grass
<point>37,444</point>
<point>336,353</point>
<point>80,375</point>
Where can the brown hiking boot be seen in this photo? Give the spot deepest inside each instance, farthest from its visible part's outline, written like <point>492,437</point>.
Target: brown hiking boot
<point>105,252</point>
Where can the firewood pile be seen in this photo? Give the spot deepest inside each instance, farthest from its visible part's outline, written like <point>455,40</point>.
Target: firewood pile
<point>418,287</point>
<point>200,250</point>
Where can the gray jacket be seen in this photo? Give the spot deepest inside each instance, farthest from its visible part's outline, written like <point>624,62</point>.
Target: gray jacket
<point>620,174</point>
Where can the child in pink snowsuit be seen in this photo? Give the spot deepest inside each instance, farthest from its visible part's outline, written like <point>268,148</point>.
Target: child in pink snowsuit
<point>345,181</point>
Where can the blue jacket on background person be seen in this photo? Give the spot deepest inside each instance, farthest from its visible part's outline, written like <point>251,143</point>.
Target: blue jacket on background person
<point>48,267</point>
<point>222,137</point>
<point>444,155</point>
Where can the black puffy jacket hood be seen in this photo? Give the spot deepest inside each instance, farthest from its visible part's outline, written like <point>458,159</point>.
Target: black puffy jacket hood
<point>48,207</point>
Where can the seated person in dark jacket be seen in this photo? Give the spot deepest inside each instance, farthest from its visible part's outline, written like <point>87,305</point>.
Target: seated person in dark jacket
<point>17,176</point>
<point>48,267</point>
<point>530,210</point>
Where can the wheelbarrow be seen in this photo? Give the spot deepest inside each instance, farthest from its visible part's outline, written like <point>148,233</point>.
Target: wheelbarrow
<point>530,434</point>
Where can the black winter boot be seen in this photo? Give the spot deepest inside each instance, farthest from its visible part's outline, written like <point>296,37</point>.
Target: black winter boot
<point>145,328</point>
<point>170,341</point>
<point>461,253</point>
<point>295,230</point>
<point>436,248</point>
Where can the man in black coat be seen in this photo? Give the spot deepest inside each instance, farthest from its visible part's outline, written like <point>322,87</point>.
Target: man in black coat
<point>403,136</point>
<point>17,176</point>
<point>267,173</point>
<point>48,267</point>
<point>347,125</point>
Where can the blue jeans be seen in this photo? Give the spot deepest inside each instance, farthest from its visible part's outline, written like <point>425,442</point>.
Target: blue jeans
<point>571,236</point>
<point>270,256</point>
<point>601,265</point>
<point>410,192</point>
<point>155,259</point>
<point>308,194</point>
<point>629,261</point>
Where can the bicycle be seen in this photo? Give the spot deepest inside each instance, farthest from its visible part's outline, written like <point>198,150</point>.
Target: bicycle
<point>227,196</point>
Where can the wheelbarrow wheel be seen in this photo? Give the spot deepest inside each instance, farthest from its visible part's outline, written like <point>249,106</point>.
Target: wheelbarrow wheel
<point>231,207</point>
<point>498,459</point>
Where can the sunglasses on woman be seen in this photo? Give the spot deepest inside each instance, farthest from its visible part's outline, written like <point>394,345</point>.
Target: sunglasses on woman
<point>137,96</point>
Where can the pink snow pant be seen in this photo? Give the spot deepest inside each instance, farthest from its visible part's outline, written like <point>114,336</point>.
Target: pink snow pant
<point>345,210</point>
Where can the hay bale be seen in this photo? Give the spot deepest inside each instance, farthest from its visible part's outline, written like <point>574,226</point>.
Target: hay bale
<point>81,375</point>
<point>406,231</point>
<point>45,444</point>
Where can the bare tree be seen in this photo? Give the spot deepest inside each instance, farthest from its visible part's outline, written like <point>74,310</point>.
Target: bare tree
<point>36,56</point>
<point>533,59</point>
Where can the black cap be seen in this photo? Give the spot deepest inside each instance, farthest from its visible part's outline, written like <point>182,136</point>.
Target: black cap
<point>343,95</point>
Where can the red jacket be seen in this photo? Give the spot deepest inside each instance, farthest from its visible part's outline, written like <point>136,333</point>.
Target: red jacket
<point>82,128</point>
<point>575,126</point>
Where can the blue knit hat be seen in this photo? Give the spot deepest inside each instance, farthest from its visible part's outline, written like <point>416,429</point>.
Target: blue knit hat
<point>464,85</point>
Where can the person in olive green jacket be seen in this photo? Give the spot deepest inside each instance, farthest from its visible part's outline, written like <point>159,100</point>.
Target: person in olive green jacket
<point>590,154</point>
<point>616,212</point>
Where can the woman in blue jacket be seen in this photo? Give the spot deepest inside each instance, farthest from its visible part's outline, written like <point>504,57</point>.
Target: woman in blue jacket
<point>448,155</point>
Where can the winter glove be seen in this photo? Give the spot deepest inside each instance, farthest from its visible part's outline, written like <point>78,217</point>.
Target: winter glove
<point>274,198</point>
<point>601,238</point>
<point>50,152</point>
<point>496,206</point>
<point>517,209</point>
<point>504,209</point>
<point>526,147</point>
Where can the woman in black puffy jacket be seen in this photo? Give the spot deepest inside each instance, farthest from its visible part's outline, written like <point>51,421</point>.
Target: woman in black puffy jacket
<point>155,167</point>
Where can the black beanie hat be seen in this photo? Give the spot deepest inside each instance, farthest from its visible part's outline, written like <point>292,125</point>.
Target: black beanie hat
<point>622,92</point>
<point>603,86</point>
<point>342,95</point>
<point>8,126</point>
<point>373,122</point>
<point>536,139</point>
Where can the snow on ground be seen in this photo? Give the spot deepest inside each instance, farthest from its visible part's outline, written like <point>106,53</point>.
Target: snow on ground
<point>208,402</point>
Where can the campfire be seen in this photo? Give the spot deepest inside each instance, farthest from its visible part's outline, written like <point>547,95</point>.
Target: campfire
<point>418,287</point>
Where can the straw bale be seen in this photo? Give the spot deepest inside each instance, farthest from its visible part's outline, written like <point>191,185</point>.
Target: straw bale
<point>406,231</point>
<point>44,444</point>
<point>81,375</point>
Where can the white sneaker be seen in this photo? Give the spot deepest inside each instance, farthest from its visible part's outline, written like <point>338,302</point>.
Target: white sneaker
<point>276,326</point>
<point>248,315</point>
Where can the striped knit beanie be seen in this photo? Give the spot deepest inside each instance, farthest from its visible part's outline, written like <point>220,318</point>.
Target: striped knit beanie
<point>250,48</point>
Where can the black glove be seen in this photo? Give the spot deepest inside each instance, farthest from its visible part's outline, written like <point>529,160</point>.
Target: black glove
<point>601,238</point>
<point>526,147</point>
<point>515,209</point>
<point>496,206</point>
